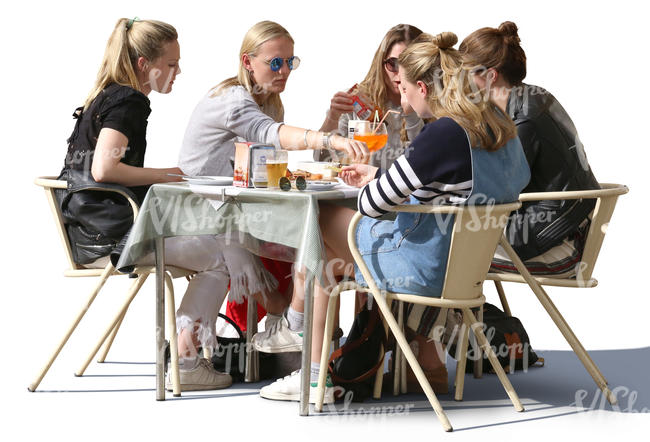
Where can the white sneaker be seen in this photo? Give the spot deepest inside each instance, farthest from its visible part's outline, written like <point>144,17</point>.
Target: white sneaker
<point>278,338</point>
<point>288,389</point>
<point>201,377</point>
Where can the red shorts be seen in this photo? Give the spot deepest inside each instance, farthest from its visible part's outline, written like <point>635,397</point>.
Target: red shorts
<point>282,272</point>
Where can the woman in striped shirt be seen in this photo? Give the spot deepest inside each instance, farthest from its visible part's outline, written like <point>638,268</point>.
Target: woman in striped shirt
<point>470,154</point>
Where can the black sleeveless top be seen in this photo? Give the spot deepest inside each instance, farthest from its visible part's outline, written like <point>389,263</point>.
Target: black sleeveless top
<point>116,107</point>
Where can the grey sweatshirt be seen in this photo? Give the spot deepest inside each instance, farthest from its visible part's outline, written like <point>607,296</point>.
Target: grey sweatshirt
<point>216,123</point>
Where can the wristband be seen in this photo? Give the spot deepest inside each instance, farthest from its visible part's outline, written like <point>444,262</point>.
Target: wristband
<point>305,138</point>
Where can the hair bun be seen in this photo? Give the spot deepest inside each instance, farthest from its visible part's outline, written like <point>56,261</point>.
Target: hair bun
<point>509,30</point>
<point>445,40</point>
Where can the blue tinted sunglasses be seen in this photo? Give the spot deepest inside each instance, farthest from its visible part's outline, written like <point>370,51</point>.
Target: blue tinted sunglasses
<point>276,63</point>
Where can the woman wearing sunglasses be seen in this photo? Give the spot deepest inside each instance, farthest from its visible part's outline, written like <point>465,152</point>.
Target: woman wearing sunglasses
<point>248,107</point>
<point>468,155</point>
<point>380,88</point>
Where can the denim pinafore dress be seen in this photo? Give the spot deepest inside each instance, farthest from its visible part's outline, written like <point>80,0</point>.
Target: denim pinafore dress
<point>409,255</point>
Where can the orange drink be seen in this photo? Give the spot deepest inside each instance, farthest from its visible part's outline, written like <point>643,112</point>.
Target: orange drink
<point>374,142</point>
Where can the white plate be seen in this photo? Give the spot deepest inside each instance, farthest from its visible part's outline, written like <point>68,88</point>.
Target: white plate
<point>209,180</point>
<point>321,185</point>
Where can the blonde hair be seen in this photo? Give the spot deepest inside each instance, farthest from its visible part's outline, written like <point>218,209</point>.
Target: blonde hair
<point>130,40</point>
<point>435,62</point>
<point>256,36</point>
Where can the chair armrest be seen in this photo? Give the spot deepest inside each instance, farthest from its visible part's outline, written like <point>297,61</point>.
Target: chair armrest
<point>51,182</point>
<point>422,208</point>
<point>606,190</point>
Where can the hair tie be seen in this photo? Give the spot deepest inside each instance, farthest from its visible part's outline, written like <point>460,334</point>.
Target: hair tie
<point>130,22</point>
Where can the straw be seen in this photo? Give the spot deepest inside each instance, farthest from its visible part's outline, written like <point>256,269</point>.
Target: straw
<point>382,120</point>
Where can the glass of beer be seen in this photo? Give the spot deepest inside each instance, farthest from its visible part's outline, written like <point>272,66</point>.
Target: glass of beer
<point>276,167</point>
<point>374,135</point>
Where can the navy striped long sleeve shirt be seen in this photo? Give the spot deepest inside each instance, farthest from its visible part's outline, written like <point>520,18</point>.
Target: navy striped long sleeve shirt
<point>437,168</point>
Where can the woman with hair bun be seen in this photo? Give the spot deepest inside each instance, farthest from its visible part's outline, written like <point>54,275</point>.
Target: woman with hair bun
<point>470,154</point>
<point>548,235</point>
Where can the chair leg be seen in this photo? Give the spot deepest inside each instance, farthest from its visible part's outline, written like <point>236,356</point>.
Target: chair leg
<point>404,387</point>
<point>461,357</point>
<point>412,360</point>
<point>337,325</point>
<point>478,361</point>
<point>327,338</point>
<point>560,322</point>
<point>170,302</point>
<point>379,376</point>
<point>470,320</point>
<point>135,287</point>
<point>251,373</point>
<point>109,342</point>
<point>108,271</point>
<point>397,357</point>
<point>502,297</point>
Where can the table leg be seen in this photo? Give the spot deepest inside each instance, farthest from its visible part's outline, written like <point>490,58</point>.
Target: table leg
<point>251,373</point>
<point>305,371</point>
<point>159,248</point>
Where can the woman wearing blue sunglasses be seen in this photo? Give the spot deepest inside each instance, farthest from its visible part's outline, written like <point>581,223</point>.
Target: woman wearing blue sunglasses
<point>248,107</point>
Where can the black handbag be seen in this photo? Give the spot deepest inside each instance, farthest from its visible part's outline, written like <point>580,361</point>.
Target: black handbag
<point>508,339</point>
<point>353,366</point>
<point>95,220</point>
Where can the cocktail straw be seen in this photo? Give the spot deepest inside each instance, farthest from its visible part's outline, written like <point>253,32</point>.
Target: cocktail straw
<point>382,120</point>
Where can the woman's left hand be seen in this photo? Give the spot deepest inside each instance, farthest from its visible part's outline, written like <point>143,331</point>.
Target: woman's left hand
<point>358,175</point>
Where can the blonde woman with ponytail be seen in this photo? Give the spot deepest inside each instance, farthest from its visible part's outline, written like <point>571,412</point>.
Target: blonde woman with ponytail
<point>248,107</point>
<point>469,154</point>
<point>107,149</point>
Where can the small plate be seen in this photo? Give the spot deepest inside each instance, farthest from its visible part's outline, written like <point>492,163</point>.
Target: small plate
<point>209,180</point>
<point>321,185</point>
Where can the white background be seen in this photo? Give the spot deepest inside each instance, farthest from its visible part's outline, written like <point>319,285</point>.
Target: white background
<point>592,56</point>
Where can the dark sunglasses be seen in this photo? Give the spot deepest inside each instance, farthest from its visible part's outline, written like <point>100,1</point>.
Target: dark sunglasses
<point>276,63</point>
<point>392,64</point>
<point>285,183</point>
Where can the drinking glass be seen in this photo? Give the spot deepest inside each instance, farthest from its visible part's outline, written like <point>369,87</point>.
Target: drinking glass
<point>276,167</point>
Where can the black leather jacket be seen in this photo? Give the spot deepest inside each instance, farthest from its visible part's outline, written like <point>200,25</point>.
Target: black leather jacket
<point>557,163</point>
<point>97,222</point>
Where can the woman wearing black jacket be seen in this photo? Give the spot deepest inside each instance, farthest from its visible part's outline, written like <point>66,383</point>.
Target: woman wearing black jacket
<point>547,235</point>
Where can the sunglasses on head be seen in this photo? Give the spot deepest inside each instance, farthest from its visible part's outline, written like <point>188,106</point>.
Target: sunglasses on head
<point>276,63</point>
<point>392,64</point>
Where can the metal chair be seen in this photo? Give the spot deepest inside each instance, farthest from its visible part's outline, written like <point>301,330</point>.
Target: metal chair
<point>476,231</point>
<point>50,185</point>
<point>606,198</point>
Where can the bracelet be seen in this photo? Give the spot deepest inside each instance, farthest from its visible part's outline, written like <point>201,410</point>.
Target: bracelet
<point>305,138</point>
<point>325,142</point>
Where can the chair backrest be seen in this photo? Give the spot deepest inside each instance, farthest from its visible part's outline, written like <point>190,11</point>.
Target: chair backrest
<point>602,214</point>
<point>476,233</point>
<point>50,184</point>
<point>606,198</point>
